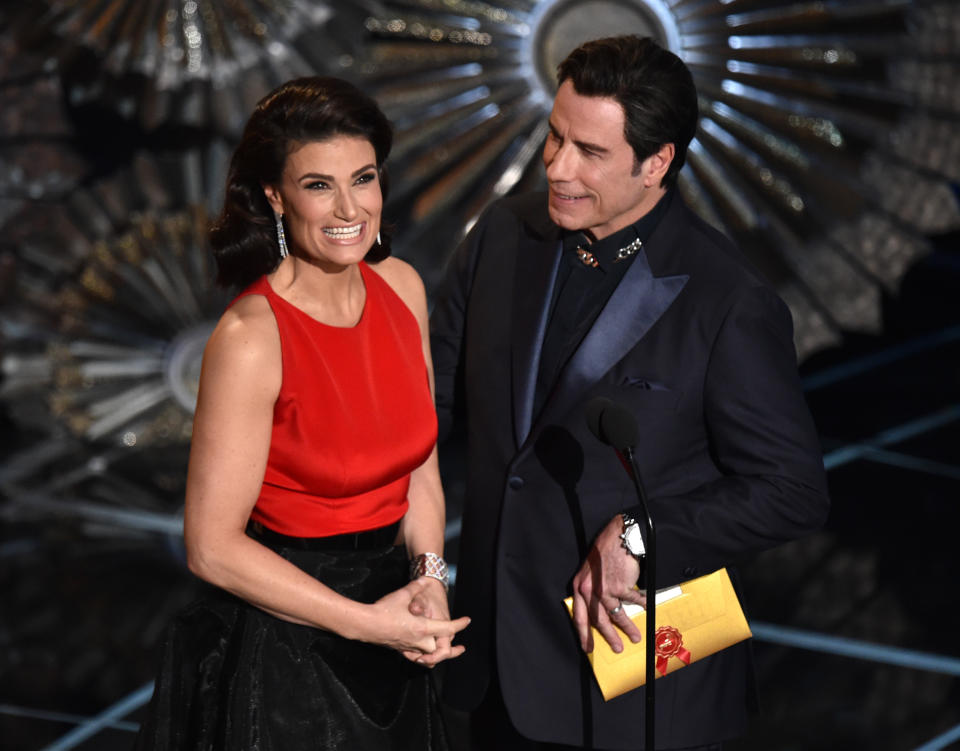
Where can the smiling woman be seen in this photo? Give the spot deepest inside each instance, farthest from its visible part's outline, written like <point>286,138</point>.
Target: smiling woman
<point>332,216</point>
<point>313,496</point>
<point>281,178</point>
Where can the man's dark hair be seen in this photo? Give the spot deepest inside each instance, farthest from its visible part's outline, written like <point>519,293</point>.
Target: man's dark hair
<point>653,86</point>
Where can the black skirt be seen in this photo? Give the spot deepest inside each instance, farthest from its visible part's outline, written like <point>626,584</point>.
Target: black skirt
<point>234,678</point>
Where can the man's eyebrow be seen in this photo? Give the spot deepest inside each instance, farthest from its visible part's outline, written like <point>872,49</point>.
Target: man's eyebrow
<point>582,145</point>
<point>594,147</point>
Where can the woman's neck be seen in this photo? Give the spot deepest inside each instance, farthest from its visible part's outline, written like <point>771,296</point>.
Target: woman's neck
<point>334,295</point>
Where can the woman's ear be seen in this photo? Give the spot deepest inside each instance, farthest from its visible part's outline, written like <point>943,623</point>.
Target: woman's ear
<point>273,198</point>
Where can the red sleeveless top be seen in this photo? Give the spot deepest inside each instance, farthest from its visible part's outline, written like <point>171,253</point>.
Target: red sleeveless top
<point>354,417</point>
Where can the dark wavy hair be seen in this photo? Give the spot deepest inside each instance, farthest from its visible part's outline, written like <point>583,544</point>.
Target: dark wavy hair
<point>303,110</point>
<point>654,87</point>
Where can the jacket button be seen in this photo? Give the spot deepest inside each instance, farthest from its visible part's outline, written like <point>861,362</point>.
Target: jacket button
<point>516,483</point>
<point>689,571</point>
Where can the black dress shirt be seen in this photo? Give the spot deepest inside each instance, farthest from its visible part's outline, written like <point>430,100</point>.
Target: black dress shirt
<point>582,290</point>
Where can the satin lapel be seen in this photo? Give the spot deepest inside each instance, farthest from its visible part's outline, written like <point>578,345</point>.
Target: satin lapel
<point>536,272</point>
<point>635,305</point>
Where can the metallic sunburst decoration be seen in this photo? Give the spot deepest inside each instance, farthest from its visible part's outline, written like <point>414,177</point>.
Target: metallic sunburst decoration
<point>106,322</point>
<point>827,145</point>
<point>827,149</point>
<point>189,62</point>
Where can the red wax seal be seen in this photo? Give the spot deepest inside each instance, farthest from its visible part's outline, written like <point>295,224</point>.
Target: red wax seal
<point>669,643</point>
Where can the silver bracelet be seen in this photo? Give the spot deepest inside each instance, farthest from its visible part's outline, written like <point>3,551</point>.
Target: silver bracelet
<point>432,565</point>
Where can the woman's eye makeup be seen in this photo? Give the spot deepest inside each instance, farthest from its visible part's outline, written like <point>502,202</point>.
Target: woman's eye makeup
<point>366,177</point>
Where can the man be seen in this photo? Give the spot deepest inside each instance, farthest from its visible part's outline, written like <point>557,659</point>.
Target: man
<point>610,286</point>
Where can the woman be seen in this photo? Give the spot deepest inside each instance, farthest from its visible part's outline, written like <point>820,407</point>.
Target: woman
<point>313,493</point>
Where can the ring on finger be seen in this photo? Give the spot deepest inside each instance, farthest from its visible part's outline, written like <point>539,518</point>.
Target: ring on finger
<point>617,609</point>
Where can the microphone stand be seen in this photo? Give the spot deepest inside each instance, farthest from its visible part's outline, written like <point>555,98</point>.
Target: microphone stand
<point>649,579</point>
<point>615,426</point>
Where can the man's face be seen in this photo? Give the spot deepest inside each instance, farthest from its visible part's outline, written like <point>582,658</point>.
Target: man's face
<point>590,166</point>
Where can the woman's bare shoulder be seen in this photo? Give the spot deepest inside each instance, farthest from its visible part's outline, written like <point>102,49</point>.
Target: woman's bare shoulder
<point>246,336</point>
<point>404,280</point>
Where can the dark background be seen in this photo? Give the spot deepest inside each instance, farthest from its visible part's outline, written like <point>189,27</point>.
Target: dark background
<point>109,173</point>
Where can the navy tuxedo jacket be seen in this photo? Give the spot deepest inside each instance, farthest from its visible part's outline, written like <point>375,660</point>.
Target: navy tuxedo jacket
<point>697,346</point>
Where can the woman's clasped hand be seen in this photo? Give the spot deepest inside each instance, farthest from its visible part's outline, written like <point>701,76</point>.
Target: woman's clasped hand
<point>415,621</point>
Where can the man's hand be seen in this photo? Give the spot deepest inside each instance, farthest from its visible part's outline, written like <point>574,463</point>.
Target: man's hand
<point>605,580</point>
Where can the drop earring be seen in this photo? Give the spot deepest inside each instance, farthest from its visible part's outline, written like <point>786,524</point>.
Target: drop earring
<point>281,238</point>
<point>378,238</point>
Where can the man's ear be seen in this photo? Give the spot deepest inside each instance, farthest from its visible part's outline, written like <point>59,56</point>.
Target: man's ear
<point>273,198</point>
<point>657,165</point>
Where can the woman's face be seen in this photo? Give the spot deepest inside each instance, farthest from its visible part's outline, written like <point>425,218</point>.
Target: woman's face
<point>330,197</point>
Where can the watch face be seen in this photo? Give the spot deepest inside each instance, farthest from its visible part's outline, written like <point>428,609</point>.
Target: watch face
<point>634,540</point>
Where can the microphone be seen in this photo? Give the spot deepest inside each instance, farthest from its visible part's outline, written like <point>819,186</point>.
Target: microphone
<point>611,423</point>
<point>614,425</point>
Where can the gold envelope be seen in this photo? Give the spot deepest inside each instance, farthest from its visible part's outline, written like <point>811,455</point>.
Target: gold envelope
<point>694,620</point>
